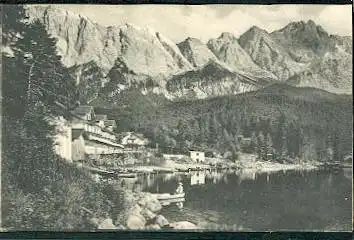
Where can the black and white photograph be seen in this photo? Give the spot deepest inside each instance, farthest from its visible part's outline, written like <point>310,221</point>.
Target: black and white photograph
<point>234,118</point>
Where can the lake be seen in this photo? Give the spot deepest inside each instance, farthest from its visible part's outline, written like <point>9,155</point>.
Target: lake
<point>248,201</point>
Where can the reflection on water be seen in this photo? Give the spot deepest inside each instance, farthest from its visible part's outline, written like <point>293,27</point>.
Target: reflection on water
<point>246,174</point>
<point>198,178</point>
<point>285,200</point>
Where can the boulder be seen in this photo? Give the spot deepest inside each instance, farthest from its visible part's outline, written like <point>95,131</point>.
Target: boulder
<point>121,227</point>
<point>135,222</point>
<point>95,222</point>
<point>150,202</point>
<point>136,209</point>
<point>135,219</point>
<point>147,214</point>
<point>161,220</point>
<point>153,227</point>
<point>106,224</point>
<point>183,225</point>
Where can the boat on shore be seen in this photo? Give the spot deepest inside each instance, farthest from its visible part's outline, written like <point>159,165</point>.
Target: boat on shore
<point>100,171</point>
<point>168,196</point>
<point>126,175</point>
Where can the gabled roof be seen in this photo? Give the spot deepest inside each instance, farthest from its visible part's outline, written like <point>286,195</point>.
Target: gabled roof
<point>100,117</point>
<point>76,133</point>
<point>133,134</point>
<point>82,110</point>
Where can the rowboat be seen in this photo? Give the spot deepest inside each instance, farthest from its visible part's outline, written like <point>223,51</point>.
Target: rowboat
<point>100,171</point>
<point>167,196</point>
<point>127,175</point>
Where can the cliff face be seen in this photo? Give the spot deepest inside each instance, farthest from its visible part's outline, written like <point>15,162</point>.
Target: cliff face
<point>196,52</point>
<point>269,54</point>
<point>213,79</point>
<point>80,41</point>
<point>228,50</point>
<point>108,60</point>
<point>303,54</point>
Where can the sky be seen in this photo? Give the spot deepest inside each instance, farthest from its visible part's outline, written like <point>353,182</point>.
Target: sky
<point>178,22</point>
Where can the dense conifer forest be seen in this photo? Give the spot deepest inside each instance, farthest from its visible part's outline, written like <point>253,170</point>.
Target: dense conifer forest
<point>279,120</point>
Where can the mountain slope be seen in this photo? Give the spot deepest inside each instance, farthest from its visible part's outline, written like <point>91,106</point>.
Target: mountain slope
<point>80,41</point>
<point>126,56</point>
<point>304,55</point>
<point>213,79</point>
<point>228,50</point>
<point>333,72</point>
<point>305,40</point>
<point>318,112</point>
<point>196,52</point>
<point>269,54</point>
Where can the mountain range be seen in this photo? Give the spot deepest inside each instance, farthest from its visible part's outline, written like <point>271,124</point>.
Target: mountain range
<point>108,60</point>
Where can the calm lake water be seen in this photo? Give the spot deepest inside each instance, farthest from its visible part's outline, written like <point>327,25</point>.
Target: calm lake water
<point>246,201</point>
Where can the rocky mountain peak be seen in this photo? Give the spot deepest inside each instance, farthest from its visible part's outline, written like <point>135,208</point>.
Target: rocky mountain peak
<point>131,55</point>
<point>81,40</point>
<point>228,50</point>
<point>227,36</point>
<point>255,29</point>
<point>304,39</point>
<point>196,52</point>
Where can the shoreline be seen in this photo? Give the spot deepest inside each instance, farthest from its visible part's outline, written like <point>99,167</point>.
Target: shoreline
<point>257,166</point>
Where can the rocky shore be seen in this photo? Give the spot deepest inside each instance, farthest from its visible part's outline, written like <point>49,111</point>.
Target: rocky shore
<point>142,214</point>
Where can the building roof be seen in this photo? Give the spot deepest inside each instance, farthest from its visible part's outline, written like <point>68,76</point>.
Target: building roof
<point>82,110</point>
<point>100,117</point>
<point>76,133</point>
<point>109,123</point>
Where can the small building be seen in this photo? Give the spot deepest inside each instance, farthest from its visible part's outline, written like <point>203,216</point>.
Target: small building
<point>197,156</point>
<point>78,144</point>
<point>132,139</point>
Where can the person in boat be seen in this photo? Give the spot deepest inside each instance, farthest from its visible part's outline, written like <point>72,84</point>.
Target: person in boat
<point>179,189</point>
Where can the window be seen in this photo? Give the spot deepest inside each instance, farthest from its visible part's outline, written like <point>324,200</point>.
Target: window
<point>197,154</point>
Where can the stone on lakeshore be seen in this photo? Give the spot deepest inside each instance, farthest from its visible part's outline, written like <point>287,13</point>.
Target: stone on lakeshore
<point>136,209</point>
<point>161,220</point>
<point>135,219</point>
<point>95,222</point>
<point>153,227</point>
<point>150,202</point>
<point>147,214</point>
<point>121,227</point>
<point>107,224</point>
<point>135,222</point>
<point>183,225</point>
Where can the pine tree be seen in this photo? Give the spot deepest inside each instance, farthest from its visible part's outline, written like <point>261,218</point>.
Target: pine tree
<point>213,129</point>
<point>282,135</point>
<point>13,24</point>
<point>301,141</point>
<point>269,147</point>
<point>336,145</point>
<point>261,146</point>
<point>47,79</point>
<point>253,143</point>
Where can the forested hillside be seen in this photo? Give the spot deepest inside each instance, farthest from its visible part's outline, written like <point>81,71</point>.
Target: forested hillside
<point>290,121</point>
